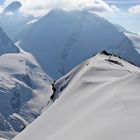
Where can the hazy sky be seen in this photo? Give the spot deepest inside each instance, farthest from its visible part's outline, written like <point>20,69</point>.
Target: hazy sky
<point>128,14</point>
<point>123,12</point>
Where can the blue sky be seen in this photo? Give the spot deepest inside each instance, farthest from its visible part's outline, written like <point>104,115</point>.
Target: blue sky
<point>123,4</point>
<point>1,1</point>
<point>131,21</point>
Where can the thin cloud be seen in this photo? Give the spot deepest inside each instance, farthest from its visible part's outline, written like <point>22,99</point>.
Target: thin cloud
<point>115,8</point>
<point>1,9</point>
<point>40,7</point>
<point>122,1</point>
<point>134,9</point>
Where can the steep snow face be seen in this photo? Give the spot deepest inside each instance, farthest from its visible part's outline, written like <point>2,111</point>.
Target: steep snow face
<point>6,45</point>
<point>61,40</point>
<point>24,92</point>
<point>100,100</point>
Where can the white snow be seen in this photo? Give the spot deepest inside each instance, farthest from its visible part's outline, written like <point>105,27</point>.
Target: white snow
<point>100,100</point>
<point>24,91</point>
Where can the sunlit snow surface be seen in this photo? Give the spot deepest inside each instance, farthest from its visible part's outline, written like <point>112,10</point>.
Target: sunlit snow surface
<point>24,91</point>
<point>100,100</point>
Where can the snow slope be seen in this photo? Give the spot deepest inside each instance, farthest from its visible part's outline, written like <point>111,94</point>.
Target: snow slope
<point>24,91</point>
<point>61,40</point>
<point>99,100</point>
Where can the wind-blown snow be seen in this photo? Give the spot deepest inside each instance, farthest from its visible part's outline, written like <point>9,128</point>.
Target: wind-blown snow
<point>99,100</point>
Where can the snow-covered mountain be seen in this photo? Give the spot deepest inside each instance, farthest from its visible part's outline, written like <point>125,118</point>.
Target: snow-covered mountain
<point>24,88</point>
<point>99,99</point>
<point>61,40</point>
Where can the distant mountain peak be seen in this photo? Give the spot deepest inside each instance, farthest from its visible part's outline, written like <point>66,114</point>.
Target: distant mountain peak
<point>13,6</point>
<point>64,39</point>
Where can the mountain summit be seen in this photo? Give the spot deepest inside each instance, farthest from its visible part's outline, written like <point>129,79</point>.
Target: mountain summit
<point>98,99</point>
<point>61,40</point>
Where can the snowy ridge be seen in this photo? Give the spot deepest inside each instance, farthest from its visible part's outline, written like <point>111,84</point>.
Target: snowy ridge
<point>100,100</point>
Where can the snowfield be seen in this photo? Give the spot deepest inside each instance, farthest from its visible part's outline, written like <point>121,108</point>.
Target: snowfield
<point>99,100</point>
<point>24,88</point>
<point>24,92</point>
